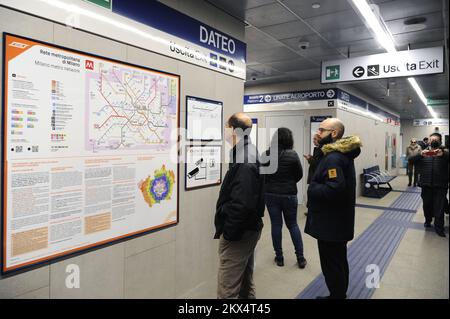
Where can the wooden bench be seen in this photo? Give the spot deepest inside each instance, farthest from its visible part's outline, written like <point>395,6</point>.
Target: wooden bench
<point>375,182</point>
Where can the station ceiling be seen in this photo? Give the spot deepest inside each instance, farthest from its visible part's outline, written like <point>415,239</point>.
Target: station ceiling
<point>274,29</point>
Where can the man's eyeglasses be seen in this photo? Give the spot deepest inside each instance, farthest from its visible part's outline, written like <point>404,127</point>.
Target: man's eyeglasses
<point>321,130</point>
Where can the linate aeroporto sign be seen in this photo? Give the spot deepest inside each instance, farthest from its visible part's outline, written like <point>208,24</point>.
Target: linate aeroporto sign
<point>386,65</point>
<point>149,25</point>
<point>299,96</point>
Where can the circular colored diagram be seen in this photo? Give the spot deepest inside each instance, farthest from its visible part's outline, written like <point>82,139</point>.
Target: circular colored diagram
<point>158,188</point>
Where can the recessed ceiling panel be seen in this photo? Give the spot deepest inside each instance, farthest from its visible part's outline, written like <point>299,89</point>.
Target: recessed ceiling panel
<point>305,10</point>
<point>268,15</point>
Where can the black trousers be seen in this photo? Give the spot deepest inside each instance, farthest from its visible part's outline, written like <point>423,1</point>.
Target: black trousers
<point>412,169</point>
<point>434,204</point>
<point>333,260</point>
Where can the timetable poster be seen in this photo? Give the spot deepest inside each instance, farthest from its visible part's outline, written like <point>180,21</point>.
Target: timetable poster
<point>204,119</point>
<point>87,151</point>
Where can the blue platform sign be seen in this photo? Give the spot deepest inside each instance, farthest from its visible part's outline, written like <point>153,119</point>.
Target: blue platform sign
<point>225,51</point>
<point>149,25</point>
<point>298,96</point>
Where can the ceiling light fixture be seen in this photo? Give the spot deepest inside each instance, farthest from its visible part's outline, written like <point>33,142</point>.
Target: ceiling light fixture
<point>315,5</point>
<point>422,97</point>
<point>375,22</point>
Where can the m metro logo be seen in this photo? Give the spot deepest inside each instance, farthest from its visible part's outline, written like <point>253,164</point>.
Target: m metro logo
<point>89,65</point>
<point>18,45</point>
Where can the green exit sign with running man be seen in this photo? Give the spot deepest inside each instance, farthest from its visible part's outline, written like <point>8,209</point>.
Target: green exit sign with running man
<point>333,72</point>
<point>102,3</point>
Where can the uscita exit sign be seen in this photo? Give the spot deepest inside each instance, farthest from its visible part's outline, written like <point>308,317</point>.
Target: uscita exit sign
<point>103,3</point>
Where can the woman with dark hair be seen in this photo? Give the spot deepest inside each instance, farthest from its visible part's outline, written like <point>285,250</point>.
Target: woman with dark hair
<point>281,194</point>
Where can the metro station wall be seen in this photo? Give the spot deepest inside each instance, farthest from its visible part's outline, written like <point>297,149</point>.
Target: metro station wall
<point>372,133</point>
<point>178,262</point>
<point>262,145</point>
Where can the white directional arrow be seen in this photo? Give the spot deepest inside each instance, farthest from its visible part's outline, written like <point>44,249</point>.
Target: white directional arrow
<point>358,72</point>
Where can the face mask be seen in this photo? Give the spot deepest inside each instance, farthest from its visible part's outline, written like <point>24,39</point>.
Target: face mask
<point>435,144</point>
<point>326,140</point>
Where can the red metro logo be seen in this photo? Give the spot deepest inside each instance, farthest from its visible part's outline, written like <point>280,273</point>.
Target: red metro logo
<point>89,65</point>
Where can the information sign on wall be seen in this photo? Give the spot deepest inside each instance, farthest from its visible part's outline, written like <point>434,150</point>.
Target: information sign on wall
<point>87,151</point>
<point>203,166</point>
<point>203,119</point>
<point>385,65</point>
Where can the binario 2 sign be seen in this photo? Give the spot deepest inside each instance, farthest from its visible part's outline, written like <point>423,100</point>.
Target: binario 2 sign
<point>386,65</point>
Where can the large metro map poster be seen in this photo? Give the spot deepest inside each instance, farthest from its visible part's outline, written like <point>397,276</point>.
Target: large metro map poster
<point>88,147</point>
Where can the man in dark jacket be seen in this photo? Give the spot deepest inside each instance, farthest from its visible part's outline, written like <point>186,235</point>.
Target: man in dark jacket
<point>331,204</point>
<point>433,179</point>
<point>424,143</point>
<point>314,159</point>
<point>239,213</point>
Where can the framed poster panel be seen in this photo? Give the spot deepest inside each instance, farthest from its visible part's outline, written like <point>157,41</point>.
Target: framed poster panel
<point>394,151</point>
<point>204,119</point>
<point>386,151</point>
<point>254,132</point>
<point>203,166</point>
<point>87,151</point>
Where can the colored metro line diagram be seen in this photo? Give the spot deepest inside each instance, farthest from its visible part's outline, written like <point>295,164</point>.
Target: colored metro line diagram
<point>158,188</point>
<point>130,109</point>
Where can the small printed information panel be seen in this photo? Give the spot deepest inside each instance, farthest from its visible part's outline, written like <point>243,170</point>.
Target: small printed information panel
<point>203,166</point>
<point>203,119</point>
<point>87,151</point>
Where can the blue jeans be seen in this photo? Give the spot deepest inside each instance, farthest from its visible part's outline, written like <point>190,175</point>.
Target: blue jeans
<point>279,206</point>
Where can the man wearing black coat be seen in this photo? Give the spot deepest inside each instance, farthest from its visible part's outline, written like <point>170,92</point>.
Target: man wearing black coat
<point>433,180</point>
<point>239,213</point>
<point>314,159</point>
<point>331,204</point>
<point>424,143</point>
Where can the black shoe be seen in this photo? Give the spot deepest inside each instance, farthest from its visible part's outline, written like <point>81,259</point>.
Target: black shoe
<point>440,233</point>
<point>301,261</point>
<point>279,261</point>
<point>427,225</point>
<point>409,185</point>
<point>306,214</point>
<point>323,297</point>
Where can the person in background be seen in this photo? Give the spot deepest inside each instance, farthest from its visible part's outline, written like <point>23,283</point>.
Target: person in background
<point>446,204</point>
<point>434,182</point>
<point>281,195</point>
<point>239,212</point>
<point>313,160</point>
<point>331,204</point>
<point>424,143</point>
<point>412,150</point>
